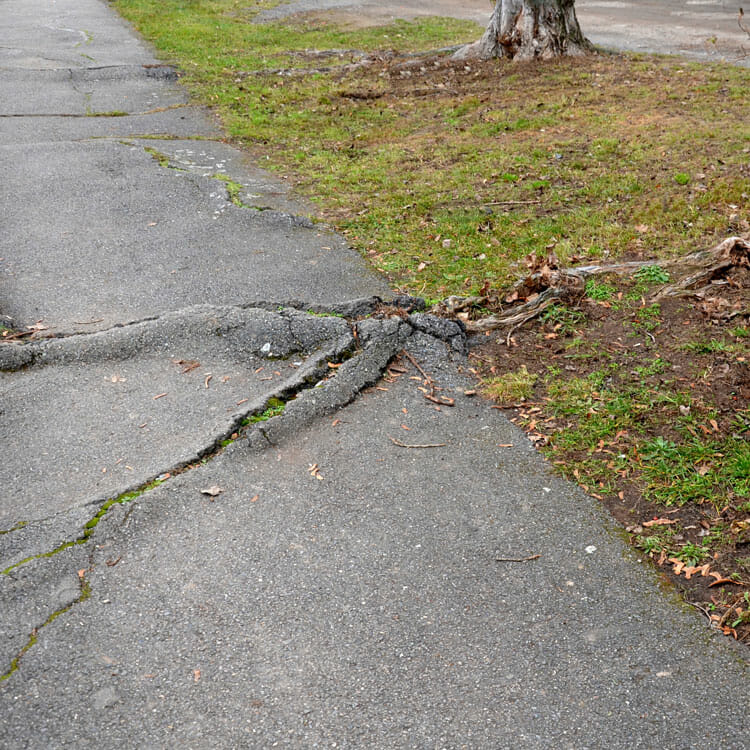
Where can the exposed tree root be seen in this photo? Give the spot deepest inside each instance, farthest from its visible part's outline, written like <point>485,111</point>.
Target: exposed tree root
<point>547,283</point>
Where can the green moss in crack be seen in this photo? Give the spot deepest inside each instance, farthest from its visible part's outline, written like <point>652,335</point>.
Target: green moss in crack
<point>16,660</point>
<point>274,408</point>
<point>17,526</point>
<point>110,113</point>
<point>89,526</point>
<point>163,159</point>
<point>233,189</point>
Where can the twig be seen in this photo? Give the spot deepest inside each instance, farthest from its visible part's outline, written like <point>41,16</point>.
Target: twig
<point>511,203</point>
<point>426,445</point>
<point>418,366</point>
<point>705,612</point>
<point>517,559</point>
<point>430,383</point>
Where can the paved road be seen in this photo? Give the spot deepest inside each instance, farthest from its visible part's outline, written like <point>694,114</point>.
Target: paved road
<point>217,529</point>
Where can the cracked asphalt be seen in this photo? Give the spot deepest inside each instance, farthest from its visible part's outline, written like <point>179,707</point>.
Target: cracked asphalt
<point>220,525</point>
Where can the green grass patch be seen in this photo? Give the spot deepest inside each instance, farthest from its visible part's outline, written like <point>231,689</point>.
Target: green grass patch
<point>512,387</point>
<point>502,160</point>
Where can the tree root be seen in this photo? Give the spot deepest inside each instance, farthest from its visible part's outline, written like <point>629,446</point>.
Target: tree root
<point>547,283</point>
<point>518,315</point>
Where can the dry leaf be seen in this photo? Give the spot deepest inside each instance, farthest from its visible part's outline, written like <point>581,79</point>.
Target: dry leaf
<point>659,522</point>
<point>196,675</point>
<point>213,491</point>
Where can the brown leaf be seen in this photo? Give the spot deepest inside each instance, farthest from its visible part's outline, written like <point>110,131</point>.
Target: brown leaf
<point>196,675</point>
<point>659,522</point>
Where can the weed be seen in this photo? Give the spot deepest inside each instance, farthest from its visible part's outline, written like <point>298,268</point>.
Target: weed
<point>647,318</point>
<point>653,274</point>
<point>691,554</point>
<point>161,158</point>
<point>600,291</point>
<point>681,178</point>
<point>563,319</point>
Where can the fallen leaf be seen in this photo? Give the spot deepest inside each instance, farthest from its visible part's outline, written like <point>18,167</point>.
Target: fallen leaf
<point>196,675</point>
<point>659,522</point>
<point>678,565</point>
<point>254,499</point>
<point>82,573</point>
<point>505,445</point>
<point>213,491</point>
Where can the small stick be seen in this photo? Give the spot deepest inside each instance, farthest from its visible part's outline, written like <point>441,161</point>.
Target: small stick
<point>511,203</point>
<point>426,445</point>
<point>428,381</point>
<point>517,559</point>
<point>417,365</point>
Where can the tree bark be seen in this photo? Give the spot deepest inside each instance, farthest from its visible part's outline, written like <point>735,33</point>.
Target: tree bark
<point>528,30</point>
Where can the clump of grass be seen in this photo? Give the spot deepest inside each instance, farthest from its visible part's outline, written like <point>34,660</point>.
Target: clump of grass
<point>511,387</point>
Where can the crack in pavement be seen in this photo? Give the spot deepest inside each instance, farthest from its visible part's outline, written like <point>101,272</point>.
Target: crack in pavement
<point>330,382</point>
<point>113,113</point>
<point>15,662</point>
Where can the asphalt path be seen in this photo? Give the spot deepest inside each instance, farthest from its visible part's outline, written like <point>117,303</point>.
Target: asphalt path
<point>235,513</point>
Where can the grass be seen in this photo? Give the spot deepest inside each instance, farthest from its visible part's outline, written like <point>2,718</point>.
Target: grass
<point>512,387</point>
<point>591,159</point>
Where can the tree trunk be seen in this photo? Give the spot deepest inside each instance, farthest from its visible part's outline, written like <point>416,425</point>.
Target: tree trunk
<point>530,29</point>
